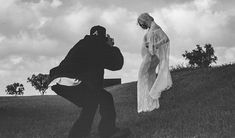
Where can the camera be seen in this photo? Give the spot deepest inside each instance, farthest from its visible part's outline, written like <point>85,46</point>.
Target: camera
<point>109,40</point>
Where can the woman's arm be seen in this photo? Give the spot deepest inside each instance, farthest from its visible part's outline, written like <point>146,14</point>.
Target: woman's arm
<point>162,41</point>
<point>157,39</point>
<point>153,40</point>
<point>145,46</point>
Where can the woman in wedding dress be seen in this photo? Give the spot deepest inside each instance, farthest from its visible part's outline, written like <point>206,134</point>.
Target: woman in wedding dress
<point>155,53</point>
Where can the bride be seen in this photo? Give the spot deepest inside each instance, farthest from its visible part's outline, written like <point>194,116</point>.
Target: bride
<point>155,53</point>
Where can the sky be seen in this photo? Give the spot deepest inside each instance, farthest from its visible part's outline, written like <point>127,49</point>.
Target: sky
<point>35,35</point>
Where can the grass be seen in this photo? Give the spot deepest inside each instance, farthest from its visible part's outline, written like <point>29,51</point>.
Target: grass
<point>199,105</point>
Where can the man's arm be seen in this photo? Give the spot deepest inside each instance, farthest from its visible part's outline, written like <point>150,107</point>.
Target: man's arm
<point>113,59</point>
<point>72,65</point>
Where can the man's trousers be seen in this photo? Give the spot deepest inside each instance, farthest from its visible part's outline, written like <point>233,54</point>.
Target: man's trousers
<point>89,99</point>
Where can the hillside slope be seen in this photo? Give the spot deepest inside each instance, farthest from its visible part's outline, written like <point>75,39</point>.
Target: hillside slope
<point>199,105</point>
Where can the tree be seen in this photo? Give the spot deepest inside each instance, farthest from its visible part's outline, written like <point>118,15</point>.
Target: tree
<point>200,58</point>
<point>15,89</point>
<point>39,82</point>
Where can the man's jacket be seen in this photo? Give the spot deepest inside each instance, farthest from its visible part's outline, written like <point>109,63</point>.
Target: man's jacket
<point>87,60</point>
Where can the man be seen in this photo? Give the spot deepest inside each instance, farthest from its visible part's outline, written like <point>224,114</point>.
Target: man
<point>79,79</point>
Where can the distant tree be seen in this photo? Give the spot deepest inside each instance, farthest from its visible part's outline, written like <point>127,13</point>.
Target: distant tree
<point>15,89</point>
<point>39,82</point>
<point>200,58</point>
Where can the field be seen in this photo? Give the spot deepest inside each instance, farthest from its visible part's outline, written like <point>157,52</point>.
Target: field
<point>201,104</point>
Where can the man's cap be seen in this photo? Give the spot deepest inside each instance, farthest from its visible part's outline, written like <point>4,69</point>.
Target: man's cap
<point>98,30</point>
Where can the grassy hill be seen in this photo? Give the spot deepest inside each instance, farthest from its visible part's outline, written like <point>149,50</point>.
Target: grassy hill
<point>201,104</point>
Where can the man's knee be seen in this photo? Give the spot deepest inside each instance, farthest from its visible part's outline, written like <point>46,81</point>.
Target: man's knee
<point>54,88</point>
<point>106,97</point>
<point>57,89</point>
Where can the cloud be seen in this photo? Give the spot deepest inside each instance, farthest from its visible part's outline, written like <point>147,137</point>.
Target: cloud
<point>114,15</point>
<point>78,18</point>
<point>35,35</point>
<point>18,69</point>
<point>27,45</point>
<point>194,19</point>
<point>196,22</point>
<point>17,15</point>
<point>225,55</point>
<point>56,3</point>
<point>41,34</point>
<point>77,21</point>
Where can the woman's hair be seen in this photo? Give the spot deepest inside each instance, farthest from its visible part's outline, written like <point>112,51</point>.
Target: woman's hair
<point>145,17</point>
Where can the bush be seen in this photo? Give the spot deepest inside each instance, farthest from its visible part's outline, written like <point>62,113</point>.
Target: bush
<point>15,89</point>
<point>200,58</point>
<point>39,82</point>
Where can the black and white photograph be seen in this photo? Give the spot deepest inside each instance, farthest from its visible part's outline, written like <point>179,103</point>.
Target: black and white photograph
<point>117,69</point>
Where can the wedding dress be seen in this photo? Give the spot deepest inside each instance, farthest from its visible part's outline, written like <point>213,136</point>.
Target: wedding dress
<point>155,53</point>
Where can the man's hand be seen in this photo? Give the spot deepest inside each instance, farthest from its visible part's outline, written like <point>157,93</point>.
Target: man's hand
<point>110,41</point>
